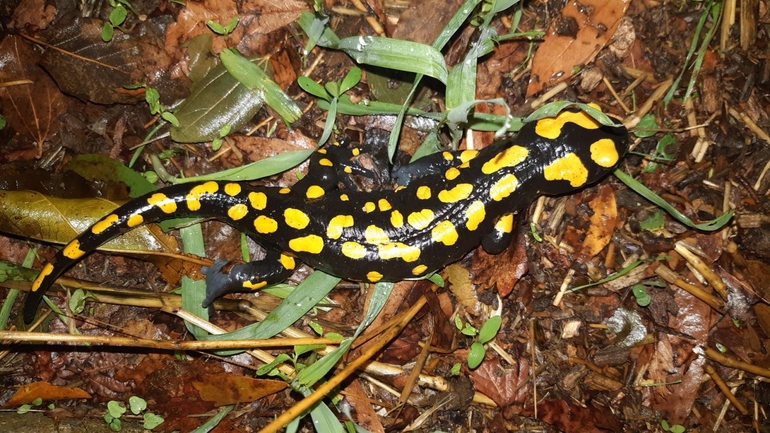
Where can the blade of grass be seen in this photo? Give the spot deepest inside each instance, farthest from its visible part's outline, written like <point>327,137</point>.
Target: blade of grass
<point>254,78</point>
<point>642,190</point>
<point>256,170</point>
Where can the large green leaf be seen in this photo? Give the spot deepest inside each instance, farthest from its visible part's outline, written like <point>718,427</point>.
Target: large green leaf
<point>217,100</point>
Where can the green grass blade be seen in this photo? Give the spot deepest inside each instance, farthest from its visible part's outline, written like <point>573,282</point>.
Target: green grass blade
<point>194,291</point>
<point>254,78</point>
<point>396,54</point>
<point>642,190</point>
<point>256,170</point>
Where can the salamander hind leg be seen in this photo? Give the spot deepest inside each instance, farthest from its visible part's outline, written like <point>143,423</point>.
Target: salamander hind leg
<point>223,277</point>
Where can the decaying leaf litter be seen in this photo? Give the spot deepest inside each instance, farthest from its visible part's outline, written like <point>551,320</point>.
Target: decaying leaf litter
<point>678,339</point>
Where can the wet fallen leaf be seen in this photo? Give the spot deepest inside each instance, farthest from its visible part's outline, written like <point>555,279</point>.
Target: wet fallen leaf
<point>33,215</point>
<point>32,104</point>
<point>85,66</point>
<point>224,389</point>
<point>574,39</point>
<point>44,390</point>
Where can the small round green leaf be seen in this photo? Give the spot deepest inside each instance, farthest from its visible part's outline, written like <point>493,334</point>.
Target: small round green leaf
<point>137,404</point>
<point>115,408</point>
<point>489,329</point>
<point>118,15</point>
<point>107,31</point>
<point>151,421</point>
<point>475,355</point>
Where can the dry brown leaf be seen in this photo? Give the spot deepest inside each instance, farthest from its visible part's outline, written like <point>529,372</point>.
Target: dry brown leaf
<point>502,384</point>
<point>603,220</point>
<point>31,106</point>
<point>224,389</point>
<point>44,390</point>
<point>574,39</point>
<point>503,270</point>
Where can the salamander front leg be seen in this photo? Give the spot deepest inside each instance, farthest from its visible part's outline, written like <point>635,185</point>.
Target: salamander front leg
<point>498,239</point>
<point>224,277</point>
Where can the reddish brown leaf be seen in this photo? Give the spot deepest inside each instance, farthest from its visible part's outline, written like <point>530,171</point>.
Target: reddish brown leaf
<point>574,39</point>
<point>256,19</point>
<point>502,270</point>
<point>224,389</point>
<point>44,390</point>
<point>31,105</point>
<point>34,13</point>
<point>502,384</point>
<point>570,418</point>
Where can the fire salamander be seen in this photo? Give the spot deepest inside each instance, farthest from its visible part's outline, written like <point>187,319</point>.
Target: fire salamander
<point>459,200</point>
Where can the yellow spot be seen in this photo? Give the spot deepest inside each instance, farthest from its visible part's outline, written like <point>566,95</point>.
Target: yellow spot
<point>509,157</point>
<point>383,205</point>
<point>464,165</point>
<point>505,223</point>
<point>451,173</point>
<point>258,200</point>
<point>448,156</point>
<point>467,155</point>
<point>604,153</point>
<point>164,203</point>
<point>419,270</point>
<point>198,191</point>
<point>287,261</point>
<point>336,224</point>
<point>353,250</point>
<point>503,187</point>
<point>46,271</point>
<point>461,191</point>
<point>265,225</point>
<point>474,215</point>
<point>369,207</point>
<point>135,220</point>
<point>237,212</point>
<point>374,276</point>
<point>295,218</point>
<point>314,191</point>
<point>73,251</point>
<point>399,188</point>
<point>232,189</point>
<point>347,169</point>
<point>396,219</point>
<point>321,151</point>
<point>355,151</point>
<point>568,168</point>
<point>284,191</point>
<point>344,197</point>
<point>307,244</point>
<point>399,250</point>
<point>445,233</point>
<point>105,223</point>
<point>254,286</point>
<point>376,235</point>
<point>423,192</point>
<point>551,127</point>
<point>326,162</point>
<point>420,220</point>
